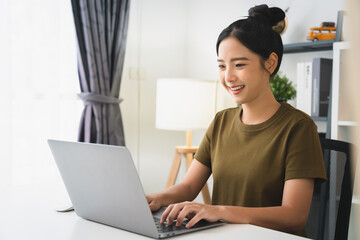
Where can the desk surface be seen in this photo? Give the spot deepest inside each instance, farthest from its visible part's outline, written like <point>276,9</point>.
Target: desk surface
<point>27,212</point>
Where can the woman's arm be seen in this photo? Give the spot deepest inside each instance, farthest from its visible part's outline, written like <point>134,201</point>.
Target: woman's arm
<point>291,216</point>
<point>186,190</point>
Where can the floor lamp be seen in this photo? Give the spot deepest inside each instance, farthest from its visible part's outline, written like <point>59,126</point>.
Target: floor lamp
<point>185,105</point>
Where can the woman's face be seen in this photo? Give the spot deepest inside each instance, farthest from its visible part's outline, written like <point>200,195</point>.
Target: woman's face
<point>241,72</point>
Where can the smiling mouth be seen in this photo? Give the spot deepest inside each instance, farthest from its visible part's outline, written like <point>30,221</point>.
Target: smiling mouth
<point>237,88</point>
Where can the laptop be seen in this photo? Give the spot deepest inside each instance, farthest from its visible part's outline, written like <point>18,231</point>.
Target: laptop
<point>104,187</point>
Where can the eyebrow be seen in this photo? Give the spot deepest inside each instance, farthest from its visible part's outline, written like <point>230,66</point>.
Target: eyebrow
<point>235,59</point>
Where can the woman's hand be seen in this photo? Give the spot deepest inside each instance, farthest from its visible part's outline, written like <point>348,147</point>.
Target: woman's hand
<point>191,210</point>
<point>188,189</point>
<point>153,201</point>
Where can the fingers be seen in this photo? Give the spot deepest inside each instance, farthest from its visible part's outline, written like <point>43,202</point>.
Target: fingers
<point>187,211</point>
<point>180,211</point>
<point>153,202</point>
<point>176,211</point>
<point>194,220</point>
<point>172,212</point>
<point>153,207</point>
<point>166,213</point>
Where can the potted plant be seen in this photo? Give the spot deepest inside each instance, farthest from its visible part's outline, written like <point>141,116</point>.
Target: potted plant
<point>282,88</point>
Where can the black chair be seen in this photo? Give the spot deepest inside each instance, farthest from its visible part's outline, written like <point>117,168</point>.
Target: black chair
<point>332,199</point>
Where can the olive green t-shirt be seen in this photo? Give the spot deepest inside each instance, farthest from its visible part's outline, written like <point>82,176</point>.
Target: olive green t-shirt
<point>250,163</point>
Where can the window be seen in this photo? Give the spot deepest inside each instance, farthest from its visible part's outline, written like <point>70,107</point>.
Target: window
<point>43,82</point>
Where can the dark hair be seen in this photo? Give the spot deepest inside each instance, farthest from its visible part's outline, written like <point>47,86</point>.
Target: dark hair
<point>256,33</point>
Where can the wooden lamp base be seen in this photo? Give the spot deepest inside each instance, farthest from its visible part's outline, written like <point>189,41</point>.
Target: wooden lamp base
<point>188,152</point>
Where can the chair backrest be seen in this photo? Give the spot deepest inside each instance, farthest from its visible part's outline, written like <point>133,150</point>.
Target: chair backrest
<point>330,208</point>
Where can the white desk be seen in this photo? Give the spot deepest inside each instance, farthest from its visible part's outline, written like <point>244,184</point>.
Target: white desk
<point>27,212</point>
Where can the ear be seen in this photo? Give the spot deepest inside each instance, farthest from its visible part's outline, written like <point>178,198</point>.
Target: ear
<point>271,62</point>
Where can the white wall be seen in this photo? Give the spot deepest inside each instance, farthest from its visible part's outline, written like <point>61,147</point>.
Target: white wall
<point>5,105</point>
<point>353,72</point>
<point>156,48</point>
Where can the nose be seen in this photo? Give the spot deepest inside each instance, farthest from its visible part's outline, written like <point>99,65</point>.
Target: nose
<point>230,75</point>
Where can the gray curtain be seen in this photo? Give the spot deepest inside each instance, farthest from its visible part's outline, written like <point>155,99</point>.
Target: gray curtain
<point>101,29</point>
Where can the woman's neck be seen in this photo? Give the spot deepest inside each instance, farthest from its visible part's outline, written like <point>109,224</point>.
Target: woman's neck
<point>257,112</point>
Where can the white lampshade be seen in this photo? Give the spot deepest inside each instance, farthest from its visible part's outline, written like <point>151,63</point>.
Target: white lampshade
<point>185,104</point>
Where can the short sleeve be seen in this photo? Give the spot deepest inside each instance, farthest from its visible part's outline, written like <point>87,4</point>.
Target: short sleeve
<point>203,154</point>
<point>304,158</point>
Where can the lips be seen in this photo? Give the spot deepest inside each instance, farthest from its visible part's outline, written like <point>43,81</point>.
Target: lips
<point>237,89</point>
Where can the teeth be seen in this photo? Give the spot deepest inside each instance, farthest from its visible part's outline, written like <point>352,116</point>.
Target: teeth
<point>237,88</point>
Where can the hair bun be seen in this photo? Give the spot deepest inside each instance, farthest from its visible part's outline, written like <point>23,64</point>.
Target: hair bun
<point>270,16</point>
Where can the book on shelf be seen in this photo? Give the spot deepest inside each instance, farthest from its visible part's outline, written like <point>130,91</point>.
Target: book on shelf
<point>321,80</point>
<point>304,86</point>
<point>313,86</point>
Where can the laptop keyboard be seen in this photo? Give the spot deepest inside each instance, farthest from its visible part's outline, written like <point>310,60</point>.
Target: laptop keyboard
<point>164,227</point>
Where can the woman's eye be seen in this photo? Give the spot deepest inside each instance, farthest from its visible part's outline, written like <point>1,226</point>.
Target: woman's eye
<point>239,65</point>
<point>222,66</point>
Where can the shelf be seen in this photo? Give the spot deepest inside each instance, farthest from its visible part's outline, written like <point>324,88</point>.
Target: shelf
<point>355,200</point>
<point>319,119</point>
<point>323,45</point>
<point>347,123</point>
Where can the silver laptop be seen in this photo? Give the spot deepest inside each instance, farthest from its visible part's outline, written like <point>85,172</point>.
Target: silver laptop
<point>104,187</point>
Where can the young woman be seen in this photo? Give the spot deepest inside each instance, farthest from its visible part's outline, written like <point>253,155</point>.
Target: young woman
<point>264,156</point>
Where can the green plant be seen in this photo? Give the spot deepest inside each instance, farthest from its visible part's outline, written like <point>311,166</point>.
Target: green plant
<point>282,88</point>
